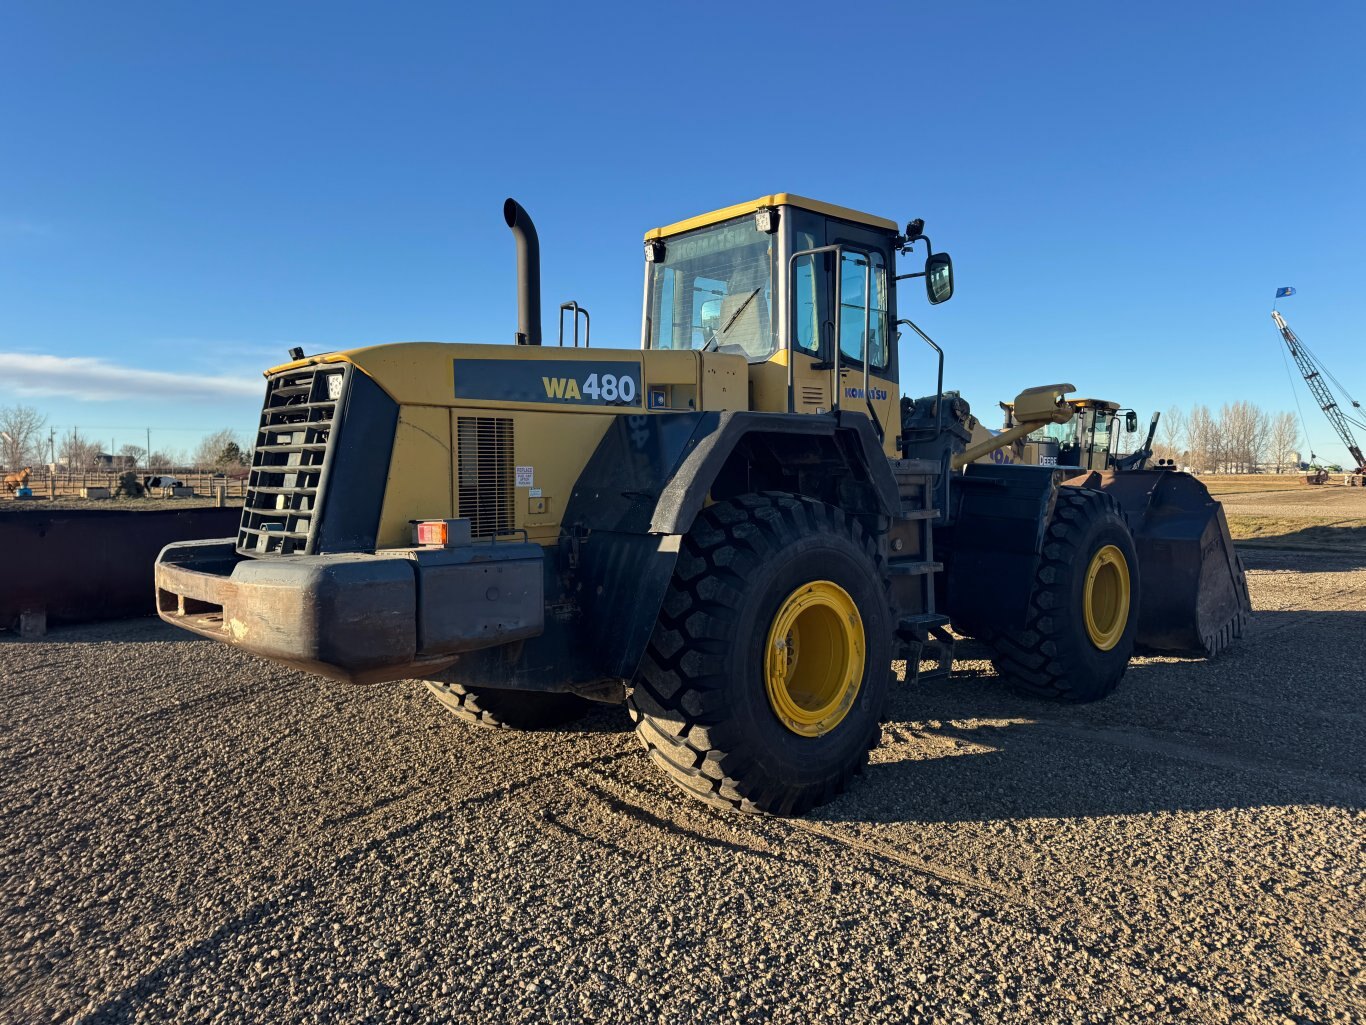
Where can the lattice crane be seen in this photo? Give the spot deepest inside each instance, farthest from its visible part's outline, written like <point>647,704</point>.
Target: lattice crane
<point>1313,375</point>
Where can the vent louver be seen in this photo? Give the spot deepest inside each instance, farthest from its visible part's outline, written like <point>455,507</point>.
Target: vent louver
<point>486,470</point>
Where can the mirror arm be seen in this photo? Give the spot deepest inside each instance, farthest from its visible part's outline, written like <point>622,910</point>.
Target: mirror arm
<point>905,245</point>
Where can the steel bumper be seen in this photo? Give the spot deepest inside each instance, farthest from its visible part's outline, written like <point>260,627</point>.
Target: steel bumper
<point>360,618</point>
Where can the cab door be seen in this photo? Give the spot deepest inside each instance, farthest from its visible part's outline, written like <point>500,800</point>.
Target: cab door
<point>865,297</point>
<point>840,298</point>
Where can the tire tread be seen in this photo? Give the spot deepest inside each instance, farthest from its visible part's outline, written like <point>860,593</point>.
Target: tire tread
<point>677,704</point>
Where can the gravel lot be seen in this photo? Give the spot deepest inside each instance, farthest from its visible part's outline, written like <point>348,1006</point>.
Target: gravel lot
<point>1321,502</point>
<point>190,834</point>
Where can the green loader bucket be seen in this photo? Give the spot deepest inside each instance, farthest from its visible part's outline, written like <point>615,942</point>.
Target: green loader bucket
<point>1193,590</point>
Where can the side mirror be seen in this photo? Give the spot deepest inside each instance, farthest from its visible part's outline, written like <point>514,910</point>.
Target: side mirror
<point>938,277</point>
<point>1131,421</point>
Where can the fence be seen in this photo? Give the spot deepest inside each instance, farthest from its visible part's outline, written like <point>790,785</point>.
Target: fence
<point>68,483</point>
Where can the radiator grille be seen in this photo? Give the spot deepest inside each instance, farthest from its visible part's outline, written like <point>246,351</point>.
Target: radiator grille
<point>813,395</point>
<point>486,473</point>
<point>289,461</point>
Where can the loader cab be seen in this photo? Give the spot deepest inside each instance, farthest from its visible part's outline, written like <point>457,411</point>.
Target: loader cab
<point>1088,439</point>
<point>804,291</point>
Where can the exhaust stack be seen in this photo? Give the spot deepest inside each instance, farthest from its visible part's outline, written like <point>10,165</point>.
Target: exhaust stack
<point>528,273</point>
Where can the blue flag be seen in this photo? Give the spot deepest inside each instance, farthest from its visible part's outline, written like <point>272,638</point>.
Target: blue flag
<point>1281,293</point>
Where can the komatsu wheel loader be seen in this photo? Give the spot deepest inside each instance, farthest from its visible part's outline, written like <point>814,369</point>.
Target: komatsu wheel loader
<point>733,529</point>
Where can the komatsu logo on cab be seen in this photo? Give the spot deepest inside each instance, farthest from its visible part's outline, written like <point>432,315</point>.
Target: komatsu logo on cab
<point>875,393</point>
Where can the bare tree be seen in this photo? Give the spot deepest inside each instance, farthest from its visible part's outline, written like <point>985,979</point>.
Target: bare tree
<point>165,459</point>
<point>1172,435</point>
<point>1244,427</point>
<point>131,455</point>
<point>1232,432</point>
<point>1284,440</point>
<point>19,435</point>
<point>77,451</point>
<point>220,450</point>
<point>1202,440</point>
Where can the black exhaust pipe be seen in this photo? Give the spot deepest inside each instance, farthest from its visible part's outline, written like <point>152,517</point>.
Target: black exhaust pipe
<point>528,273</point>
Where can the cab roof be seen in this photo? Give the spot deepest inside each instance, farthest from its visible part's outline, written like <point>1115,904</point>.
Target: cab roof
<point>1098,403</point>
<point>777,199</point>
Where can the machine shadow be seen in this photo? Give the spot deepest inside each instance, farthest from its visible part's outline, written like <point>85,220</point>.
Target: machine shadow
<point>1179,735</point>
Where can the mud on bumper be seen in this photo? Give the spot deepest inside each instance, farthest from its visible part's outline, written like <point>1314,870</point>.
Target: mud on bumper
<point>360,618</point>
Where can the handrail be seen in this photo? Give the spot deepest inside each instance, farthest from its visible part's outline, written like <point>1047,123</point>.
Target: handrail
<point>868,340</point>
<point>939,383</point>
<point>575,309</point>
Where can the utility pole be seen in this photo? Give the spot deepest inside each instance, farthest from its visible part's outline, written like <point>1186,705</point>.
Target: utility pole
<point>147,456</point>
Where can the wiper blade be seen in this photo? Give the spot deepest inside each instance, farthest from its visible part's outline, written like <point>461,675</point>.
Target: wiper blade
<point>741,309</point>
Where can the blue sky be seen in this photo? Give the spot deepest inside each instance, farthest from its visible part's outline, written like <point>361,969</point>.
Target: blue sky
<point>189,190</point>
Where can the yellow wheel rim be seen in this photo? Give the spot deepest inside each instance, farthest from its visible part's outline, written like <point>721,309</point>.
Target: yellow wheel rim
<point>813,661</point>
<point>1106,599</point>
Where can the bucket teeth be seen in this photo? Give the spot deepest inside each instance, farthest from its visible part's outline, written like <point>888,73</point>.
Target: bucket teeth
<point>1231,631</point>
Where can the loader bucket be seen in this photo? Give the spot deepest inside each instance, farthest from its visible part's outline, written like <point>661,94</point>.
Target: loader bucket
<point>1193,596</point>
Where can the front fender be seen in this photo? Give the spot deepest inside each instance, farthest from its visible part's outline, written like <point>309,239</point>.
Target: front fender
<point>640,493</point>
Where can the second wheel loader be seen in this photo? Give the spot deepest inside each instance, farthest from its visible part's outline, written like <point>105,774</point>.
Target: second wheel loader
<point>733,529</point>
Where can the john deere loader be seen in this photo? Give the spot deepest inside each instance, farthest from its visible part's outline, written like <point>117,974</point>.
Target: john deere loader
<point>1190,610</point>
<point>733,529</point>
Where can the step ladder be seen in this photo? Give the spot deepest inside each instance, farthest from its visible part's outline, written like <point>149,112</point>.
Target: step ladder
<point>922,632</point>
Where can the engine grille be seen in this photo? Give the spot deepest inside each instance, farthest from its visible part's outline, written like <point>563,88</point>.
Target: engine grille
<point>486,469</point>
<point>289,462</point>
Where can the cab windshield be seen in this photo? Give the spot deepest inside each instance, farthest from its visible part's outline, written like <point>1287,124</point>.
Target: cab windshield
<point>1063,434</point>
<point>714,290</point>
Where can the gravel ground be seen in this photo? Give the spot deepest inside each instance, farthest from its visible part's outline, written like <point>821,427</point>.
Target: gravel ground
<point>190,834</point>
<point>1323,501</point>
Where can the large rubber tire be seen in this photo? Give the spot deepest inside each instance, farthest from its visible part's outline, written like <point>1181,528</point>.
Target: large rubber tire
<point>700,702</point>
<point>498,709</point>
<point>1054,655</point>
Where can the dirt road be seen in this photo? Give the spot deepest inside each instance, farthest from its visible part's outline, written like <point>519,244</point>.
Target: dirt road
<point>190,834</point>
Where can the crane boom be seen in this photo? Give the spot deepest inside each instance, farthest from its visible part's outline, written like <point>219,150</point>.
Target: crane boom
<point>1313,376</point>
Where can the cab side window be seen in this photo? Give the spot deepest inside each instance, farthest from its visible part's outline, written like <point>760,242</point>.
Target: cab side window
<point>806,327</point>
<point>863,279</point>
<point>664,316</point>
